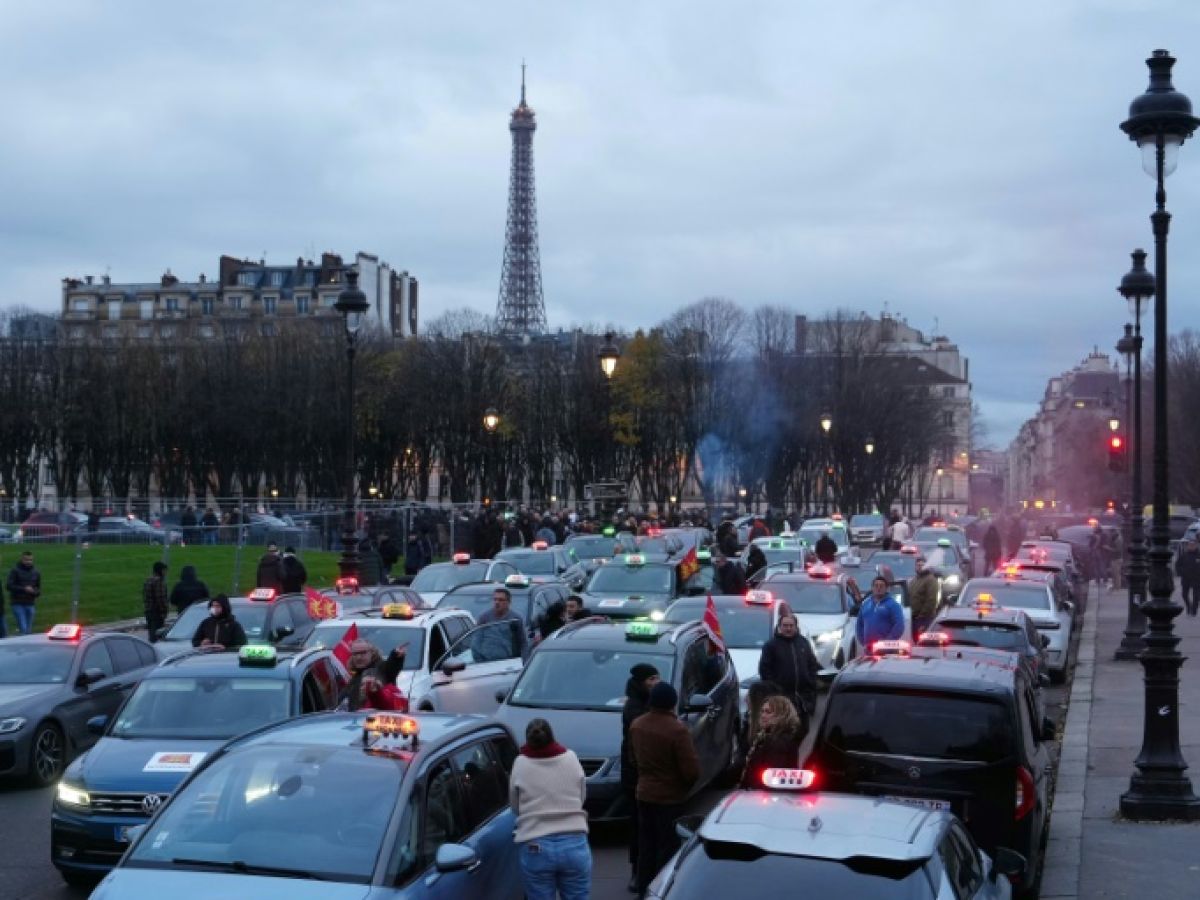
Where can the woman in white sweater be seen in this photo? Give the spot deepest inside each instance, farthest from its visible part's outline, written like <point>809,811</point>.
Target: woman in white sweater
<point>546,792</point>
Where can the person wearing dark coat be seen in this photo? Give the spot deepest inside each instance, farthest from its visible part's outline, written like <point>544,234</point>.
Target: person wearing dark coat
<point>188,589</point>
<point>553,619</point>
<point>730,577</point>
<point>389,553</point>
<point>269,574</point>
<point>788,661</point>
<point>826,548</point>
<point>776,743</point>
<point>1016,535</point>
<point>220,630</point>
<point>992,548</point>
<point>292,574</point>
<point>417,553</point>
<point>1187,567</point>
<point>642,677</point>
<point>755,560</point>
<point>188,522</point>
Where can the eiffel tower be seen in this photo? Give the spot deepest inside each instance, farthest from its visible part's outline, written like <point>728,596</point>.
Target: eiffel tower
<point>521,309</point>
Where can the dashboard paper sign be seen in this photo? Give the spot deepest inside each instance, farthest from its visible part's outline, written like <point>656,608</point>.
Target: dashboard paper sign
<point>174,762</point>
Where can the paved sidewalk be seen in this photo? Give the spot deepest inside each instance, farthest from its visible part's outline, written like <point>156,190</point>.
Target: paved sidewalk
<point>1093,852</point>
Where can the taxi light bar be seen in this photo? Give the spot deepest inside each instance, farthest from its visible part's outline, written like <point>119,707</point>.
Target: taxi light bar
<point>608,531</point>
<point>789,779</point>
<point>390,725</point>
<point>257,655</point>
<point>635,559</point>
<point>517,580</point>
<point>760,598</point>
<point>1093,521</point>
<point>653,532</point>
<point>943,542</point>
<point>346,585</point>
<point>461,559</point>
<point>703,554</point>
<point>837,517</point>
<point>641,631</point>
<point>891,648</point>
<point>820,571</point>
<point>65,632</point>
<point>985,599</point>
<point>909,550</point>
<point>267,594</point>
<point>934,639</point>
<point>539,545</point>
<point>397,611</point>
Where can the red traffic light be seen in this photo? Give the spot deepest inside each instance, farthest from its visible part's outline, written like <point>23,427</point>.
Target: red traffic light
<point>1115,442</point>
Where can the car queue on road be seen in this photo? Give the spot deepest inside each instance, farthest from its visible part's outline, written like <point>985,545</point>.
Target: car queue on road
<point>484,647</point>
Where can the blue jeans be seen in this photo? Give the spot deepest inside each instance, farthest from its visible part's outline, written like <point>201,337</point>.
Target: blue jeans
<point>23,613</point>
<point>557,863</point>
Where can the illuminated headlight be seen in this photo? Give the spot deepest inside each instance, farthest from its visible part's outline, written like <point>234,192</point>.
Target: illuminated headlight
<point>657,615</point>
<point>73,796</point>
<point>830,637</point>
<point>8,726</point>
<point>951,580</point>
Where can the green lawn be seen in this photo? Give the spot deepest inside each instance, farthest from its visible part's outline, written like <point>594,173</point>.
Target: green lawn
<point>111,576</point>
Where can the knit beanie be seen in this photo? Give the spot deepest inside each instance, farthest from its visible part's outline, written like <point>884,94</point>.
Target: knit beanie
<point>663,696</point>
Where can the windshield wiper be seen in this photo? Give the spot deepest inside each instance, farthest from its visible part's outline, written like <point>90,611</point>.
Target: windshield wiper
<point>243,868</point>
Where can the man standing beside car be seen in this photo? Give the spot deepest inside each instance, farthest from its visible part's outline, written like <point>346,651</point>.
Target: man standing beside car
<point>880,617</point>
<point>788,662</point>
<point>642,679</point>
<point>154,601</point>
<point>923,591</point>
<point>24,587</point>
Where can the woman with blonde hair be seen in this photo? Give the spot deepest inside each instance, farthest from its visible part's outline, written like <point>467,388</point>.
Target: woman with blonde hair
<point>776,743</point>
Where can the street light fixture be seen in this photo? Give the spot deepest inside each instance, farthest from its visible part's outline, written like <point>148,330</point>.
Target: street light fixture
<point>491,420</point>
<point>352,304</point>
<point>1114,424</point>
<point>870,446</point>
<point>609,354</point>
<point>1160,120</point>
<point>826,422</point>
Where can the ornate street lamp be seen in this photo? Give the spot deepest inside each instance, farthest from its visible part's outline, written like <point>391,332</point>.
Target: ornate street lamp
<point>826,422</point>
<point>352,304</point>
<point>491,420</point>
<point>609,354</point>
<point>1160,120</point>
<point>869,446</point>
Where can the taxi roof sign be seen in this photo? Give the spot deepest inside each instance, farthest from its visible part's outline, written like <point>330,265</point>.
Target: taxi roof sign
<point>943,542</point>
<point>703,554</point>
<point>517,580</point>
<point>347,585</point>
<point>265,593</point>
<point>608,531</point>
<point>890,648</point>
<point>70,632</point>
<point>397,611</point>
<point>789,779</point>
<point>263,655</point>
<point>760,598</point>
<point>641,631</point>
<point>461,559</point>
<point>539,545</point>
<point>635,559</point>
<point>390,726</point>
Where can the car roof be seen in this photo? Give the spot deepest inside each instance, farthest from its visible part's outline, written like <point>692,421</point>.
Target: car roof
<point>825,825</point>
<point>958,676</point>
<point>423,616</point>
<point>343,729</point>
<point>597,633</point>
<point>226,662</point>
<point>1026,584</point>
<point>43,637</point>
<point>998,615</point>
<point>804,577</point>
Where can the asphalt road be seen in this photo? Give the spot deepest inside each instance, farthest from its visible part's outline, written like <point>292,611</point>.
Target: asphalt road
<point>26,872</point>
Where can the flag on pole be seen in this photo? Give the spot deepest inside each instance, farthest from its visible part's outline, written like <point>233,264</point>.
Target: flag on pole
<point>712,626</point>
<point>689,565</point>
<point>342,650</point>
<point>320,606</point>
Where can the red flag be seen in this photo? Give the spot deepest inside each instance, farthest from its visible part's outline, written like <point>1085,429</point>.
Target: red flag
<point>712,626</point>
<point>317,605</point>
<point>689,565</point>
<point>342,650</point>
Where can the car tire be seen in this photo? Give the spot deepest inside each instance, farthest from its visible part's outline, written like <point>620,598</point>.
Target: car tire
<point>47,755</point>
<point>1058,676</point>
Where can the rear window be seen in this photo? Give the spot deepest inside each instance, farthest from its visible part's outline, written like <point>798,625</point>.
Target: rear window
<point>984,634</point>
<point>1011,596</point>
<point>919,723</point>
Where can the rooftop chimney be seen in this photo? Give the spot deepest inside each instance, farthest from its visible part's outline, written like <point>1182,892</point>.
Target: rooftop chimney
<point>87,278</point>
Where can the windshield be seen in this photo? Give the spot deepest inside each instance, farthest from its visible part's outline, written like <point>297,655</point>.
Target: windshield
<point>30,663</point>
<point>252,619</point>
<point>478,602</point>
<point>653,545</point>
<point>616,578</point>
<point>984,634</point>
<point>724,869</point>
<point>938,557</point>
<point>903,565</point>
<point>865,521</point>
<point>812,597</point>
<point>200,707</point>
<point>910,723</point>
<point>536,563</point>
<point>936,534</point>
<point>812,535</point>
<point>444,576</point>
<point>551,678</point>
<point>592,548</point>
<point>385,638</point>
<point>745,626</point>
<point>318,810</point>
<point>1012,596</point>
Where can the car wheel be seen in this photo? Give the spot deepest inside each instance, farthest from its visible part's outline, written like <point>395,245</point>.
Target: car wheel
<point>1058,676</point>
<point>47,754</point>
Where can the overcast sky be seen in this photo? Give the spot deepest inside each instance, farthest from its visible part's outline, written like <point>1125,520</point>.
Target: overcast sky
<point>959,162</point>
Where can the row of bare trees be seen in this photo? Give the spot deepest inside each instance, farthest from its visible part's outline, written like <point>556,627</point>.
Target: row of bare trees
<point>714,398</point>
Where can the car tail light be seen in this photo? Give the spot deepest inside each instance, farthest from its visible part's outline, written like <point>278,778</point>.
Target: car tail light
<point>1026,794</point>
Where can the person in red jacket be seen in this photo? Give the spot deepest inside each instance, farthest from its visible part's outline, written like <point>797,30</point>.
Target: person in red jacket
<point>372,682</point>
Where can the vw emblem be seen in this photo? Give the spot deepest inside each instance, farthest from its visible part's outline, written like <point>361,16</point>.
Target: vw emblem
<point>914,773</point>
<point>151,802</point>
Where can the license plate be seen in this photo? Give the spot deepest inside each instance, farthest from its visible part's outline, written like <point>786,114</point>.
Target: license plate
<point>921,802</point>
<point>123,834</point>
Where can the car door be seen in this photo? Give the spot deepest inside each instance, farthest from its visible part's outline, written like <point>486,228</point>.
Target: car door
<point>483,787</point>
<point>483,661</point>
<point>101,698</point>
<point>301,621</point>
<point>280,625</point>
<point>697,677</point>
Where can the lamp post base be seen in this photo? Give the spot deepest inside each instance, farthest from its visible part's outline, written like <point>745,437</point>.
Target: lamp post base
<point>348,561</point>
<point>1160,797</point>
<point>1131,644</point>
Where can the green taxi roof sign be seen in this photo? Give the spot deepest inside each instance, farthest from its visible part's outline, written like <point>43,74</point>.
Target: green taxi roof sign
<point>641,631</point>
<point>257,655</point>
<point>943,542</point>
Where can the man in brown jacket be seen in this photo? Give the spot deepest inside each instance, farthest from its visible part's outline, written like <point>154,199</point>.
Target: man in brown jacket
<point>667,769</point>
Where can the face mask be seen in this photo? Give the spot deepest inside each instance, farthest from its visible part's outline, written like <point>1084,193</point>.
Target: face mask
<point>214,611</point>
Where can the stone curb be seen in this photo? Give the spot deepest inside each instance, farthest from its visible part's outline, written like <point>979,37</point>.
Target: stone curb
<point>1064,850</point>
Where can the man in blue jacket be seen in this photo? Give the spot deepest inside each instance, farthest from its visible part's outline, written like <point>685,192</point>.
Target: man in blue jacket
<point>880,617</point>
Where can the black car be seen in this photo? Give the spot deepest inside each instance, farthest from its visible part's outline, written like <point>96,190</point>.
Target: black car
<point>1010,630</point>
<point>944,733</point>
<point>576,681</point>
<point>592,550</point>
<point>266,617</point>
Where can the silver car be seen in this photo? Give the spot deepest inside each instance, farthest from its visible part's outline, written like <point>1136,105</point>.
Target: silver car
<point>1054,618</point>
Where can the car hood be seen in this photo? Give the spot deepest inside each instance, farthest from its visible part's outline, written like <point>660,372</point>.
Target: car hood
<point>15,696</point>
<point>590,733</point>
<point>119,764</point>
<point>181,884</point>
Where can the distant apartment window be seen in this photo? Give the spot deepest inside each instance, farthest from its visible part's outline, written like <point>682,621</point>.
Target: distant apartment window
<point>80,305</point>
<point>114,309</point>
<point>48,476</point>
<point>206,306</point>
<point>172,304</point>
<point>207,331</point>
<point>146,309</point>
<point>948,392</point>
<point>948,419</point>
<point>167,332</point>
<point>309,279</point>
<point>302,305</point>
<point>247,279</point>
<point>145,331</point>
<point>269,304</point>
<point>277,279</point>
<point>235,302</point>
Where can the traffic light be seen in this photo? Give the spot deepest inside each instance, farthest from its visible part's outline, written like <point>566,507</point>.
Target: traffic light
<point>1117,460</point>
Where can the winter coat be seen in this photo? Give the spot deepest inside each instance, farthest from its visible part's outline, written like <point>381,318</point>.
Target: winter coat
<point>223,629</point>
<point>668,767</point>
<point>992,547</point>
<point>24,584</point>
<point>269,573</point>
<point>370,565</point>
<point>637,702</point>
<point>771,748</point>
<point>923,595</point>
<point>388,552</point>
<point>791,665</point>
<point>1187,566</point>
<point>882,621</point>
<point>730,578</point>
<point>188,590</point>
<point>154,597</point>
<point>292,574</point>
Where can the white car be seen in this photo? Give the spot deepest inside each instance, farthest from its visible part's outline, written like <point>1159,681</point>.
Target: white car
<point>1035,597</point>
<point>435,580</point>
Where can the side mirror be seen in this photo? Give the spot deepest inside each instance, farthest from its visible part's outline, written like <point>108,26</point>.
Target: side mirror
<point>89,677</point>
<point>459,857</point>
<point>687,826</point>
<point>1045,640</point>
<point>97,724</point>
<point>698,703</point>
<point>451,666</point>
<point>1048,731</point>
<point>1007,862</point>
<point>500,695</point>
<point>1068,606</point>
<point>284,631</point>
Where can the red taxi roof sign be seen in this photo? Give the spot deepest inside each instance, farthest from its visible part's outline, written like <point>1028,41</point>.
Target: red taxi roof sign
<point>267,594</point>
<point>890,648</point>
<point>539,545</point>
<point>390,725</point>
<point>789,779</point>
<point>934,639</point>
<point>461,559</point>
<point>760,598</point>
<point>347,585</point>
<point>517,580</point>
<point>65,632</point>
<point>635,559</point>
<point>820,571</point>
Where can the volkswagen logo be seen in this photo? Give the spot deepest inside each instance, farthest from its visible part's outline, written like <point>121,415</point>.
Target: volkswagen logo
<point>914,773</point>
<point>151,802</point>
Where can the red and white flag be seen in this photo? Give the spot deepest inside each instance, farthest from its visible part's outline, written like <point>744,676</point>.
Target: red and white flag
<point>342,650</point>
<point>712,626</point>
<point>320,606</point>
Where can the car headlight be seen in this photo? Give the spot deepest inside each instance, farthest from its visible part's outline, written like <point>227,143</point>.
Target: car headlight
<point>657,615</point>
<point>830,637</point>
<point>73,796</point>
<point>9,725</point>
<point>951,580</point>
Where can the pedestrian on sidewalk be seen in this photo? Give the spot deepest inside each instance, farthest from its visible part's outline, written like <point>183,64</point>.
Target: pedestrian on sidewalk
<point>992,549</point>
<point>642,679</point>
<point>546,792</point>
<point>1187,567</point>
<point>154,600</point>
<point>292,574</point>
<point>24,587</point>
<point>668,768</point>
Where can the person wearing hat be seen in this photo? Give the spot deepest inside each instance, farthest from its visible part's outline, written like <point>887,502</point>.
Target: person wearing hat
<point>154,600</point>
<point>220,631</point>
<point>668,769</point>
<point>642,678</point>
<point>269,573</point>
